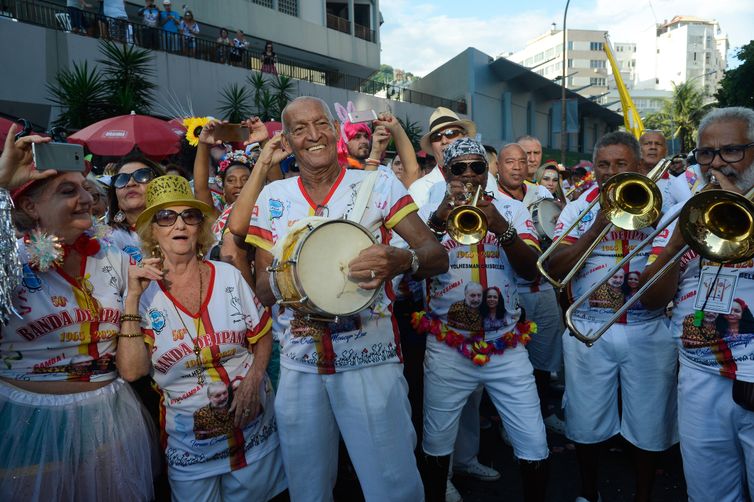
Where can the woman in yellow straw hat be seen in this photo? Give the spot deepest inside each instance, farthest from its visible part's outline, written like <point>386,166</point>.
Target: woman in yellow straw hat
<point>197,326</point>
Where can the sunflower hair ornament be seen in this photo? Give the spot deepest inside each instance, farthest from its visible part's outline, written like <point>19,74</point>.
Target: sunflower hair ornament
<point>194,127</point>
<point>45,250</point>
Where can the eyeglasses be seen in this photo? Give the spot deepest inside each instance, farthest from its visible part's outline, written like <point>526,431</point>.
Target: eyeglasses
<point>168,217</point>
<point>549,178</point>
<point>732,153</point>
<point>143,175</point>
<point>458,168</point>
<point>451,133</point>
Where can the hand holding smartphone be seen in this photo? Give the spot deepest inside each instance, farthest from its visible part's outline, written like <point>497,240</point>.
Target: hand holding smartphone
<point>231,132</point>
<point>58,156</point>
<point>362,116</point>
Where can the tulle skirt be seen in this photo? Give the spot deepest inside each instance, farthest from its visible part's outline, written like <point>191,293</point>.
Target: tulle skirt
<point>89,446</point>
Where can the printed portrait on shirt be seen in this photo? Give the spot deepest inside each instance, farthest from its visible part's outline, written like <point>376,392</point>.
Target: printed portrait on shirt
<point>492,309</point>
<point>303,327</point>
<point>610,295</point>
<point>466,314</point>
<point>214,419</point>
<point>714,326</point>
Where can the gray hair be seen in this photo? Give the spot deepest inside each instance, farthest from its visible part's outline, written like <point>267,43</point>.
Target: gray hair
<point>322,103</point>
<point>618,138</point>
<point>212,387</point>
<point>737,113</point>
<point>527,137</point>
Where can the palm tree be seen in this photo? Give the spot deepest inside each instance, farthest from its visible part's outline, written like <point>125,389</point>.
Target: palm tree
<point>127,72</point>
<point>680,114</point>
<point>81,94</point>
<point>235,103</point>
<point>270,95</point>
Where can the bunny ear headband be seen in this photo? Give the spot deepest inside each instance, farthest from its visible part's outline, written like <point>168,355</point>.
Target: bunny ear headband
<point>342,113</point>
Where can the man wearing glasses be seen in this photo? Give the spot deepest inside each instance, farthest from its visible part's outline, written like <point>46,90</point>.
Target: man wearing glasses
<point>445,127</point>
<point>471,341</point>
<point>716,378</point>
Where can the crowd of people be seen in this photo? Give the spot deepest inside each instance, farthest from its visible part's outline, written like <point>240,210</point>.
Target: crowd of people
<point>142,284</point>
<point>165,29</point>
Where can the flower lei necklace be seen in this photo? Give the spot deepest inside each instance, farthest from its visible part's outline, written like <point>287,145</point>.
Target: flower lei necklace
<point>474,346</point>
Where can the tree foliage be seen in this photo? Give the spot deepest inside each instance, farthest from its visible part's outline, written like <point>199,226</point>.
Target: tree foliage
<point>680,115</point>
<point>270,95</point>
<point>737,85</point>
<point>81,94</point>
<point>235,103</point>
<point>120,84</point>
<point>127,71</point>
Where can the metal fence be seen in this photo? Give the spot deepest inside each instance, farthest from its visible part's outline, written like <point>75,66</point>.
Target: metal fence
<point>54,16</point>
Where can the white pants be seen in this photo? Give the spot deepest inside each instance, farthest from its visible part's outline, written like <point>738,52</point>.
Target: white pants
<point>370,408</point>
<point>717,438</point>
<point>466,446</point>
<point>642,358</point>
<point>257,482</point>
<point>546,346</point>
<point>449,379</point>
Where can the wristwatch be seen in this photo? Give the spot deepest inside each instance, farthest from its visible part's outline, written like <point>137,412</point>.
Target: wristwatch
<point>414,261</point>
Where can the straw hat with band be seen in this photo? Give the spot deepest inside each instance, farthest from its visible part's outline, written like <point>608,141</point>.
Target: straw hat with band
<point>441,119</point>
<point>167,191</point>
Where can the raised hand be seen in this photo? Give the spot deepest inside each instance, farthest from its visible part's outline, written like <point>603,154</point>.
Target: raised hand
<point>17,163</point>
<point>257,131</point>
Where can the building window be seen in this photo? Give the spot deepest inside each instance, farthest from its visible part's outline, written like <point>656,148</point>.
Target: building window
<point>599,82</point>
<point>570,63</point>
<point>289,7</point>
<point>597,46</point>
<point>597,63</point>
<point>570,45</point>
<point>263,3</point>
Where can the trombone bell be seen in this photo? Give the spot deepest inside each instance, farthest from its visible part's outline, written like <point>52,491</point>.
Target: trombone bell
<point>631,201</point>
<point>467,224</point>
<point>719,225</point>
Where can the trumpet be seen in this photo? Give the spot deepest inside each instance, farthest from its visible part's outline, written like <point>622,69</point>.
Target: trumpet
<point>630,200</point>
<point>467,224</point>
<point>716,224</point>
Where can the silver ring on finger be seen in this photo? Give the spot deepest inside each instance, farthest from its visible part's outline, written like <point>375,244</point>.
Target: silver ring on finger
<point>371,272</point>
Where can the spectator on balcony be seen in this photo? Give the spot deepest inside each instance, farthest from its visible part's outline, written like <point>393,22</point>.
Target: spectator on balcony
<point>115,12</point>
<point>269,58</point>
<point>76,13</point>
<point>223,46</point>
<point>151,34</point>
<point>238,51</point>
<point>170,21</point>
<point>189,28</point>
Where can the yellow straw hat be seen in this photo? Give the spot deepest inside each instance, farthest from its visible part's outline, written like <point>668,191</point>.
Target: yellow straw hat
<point>166,191</point>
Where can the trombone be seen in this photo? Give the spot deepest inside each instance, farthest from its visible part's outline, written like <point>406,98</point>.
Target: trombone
<point>467,224</point>
<point>631,200</point>
<point>716,224</point>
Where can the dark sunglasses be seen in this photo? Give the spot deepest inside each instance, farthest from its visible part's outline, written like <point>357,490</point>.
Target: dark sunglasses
<point>458,168</point>
<point>143,175</point>
<point>451,133</point>
<point>168,217</point>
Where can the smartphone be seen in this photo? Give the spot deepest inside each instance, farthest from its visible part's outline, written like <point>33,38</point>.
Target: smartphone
<point>362,116</point>
<point>231,132</point>
<point>58,156</point>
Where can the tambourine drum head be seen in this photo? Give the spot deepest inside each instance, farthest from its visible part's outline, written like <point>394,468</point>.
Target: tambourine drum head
<point>322,267</point>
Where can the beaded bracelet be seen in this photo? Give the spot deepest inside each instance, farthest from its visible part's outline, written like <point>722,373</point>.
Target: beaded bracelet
<point>130,335</point>
<point>372,161</point>
<point>508,237</point>
<point>130,317</point>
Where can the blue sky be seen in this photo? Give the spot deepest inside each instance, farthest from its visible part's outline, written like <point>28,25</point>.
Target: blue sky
<point>419,35</point>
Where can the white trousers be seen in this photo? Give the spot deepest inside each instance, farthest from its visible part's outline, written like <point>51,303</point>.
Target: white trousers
<point>259,482</point>
<point>449,379</point>
<point>642,358</point>
<point>717,438</point>
<point>370,408</point>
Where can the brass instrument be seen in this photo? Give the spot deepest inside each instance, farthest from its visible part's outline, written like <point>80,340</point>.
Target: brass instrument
<point>717,224</point>
<point>630,200</point>
<point>467,224</point>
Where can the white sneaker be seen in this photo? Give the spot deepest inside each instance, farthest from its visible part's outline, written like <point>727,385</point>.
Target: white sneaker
<point>451,494</point>
<point>554,424</point>
<point>478,471</point>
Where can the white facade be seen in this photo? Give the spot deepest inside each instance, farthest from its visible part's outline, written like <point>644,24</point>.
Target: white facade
<point>625,56</point>
<point>684,49</point>
<point>587,71</point>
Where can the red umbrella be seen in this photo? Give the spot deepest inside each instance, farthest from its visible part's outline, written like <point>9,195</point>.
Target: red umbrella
<point>273,127</point>
<point>117,136</point>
